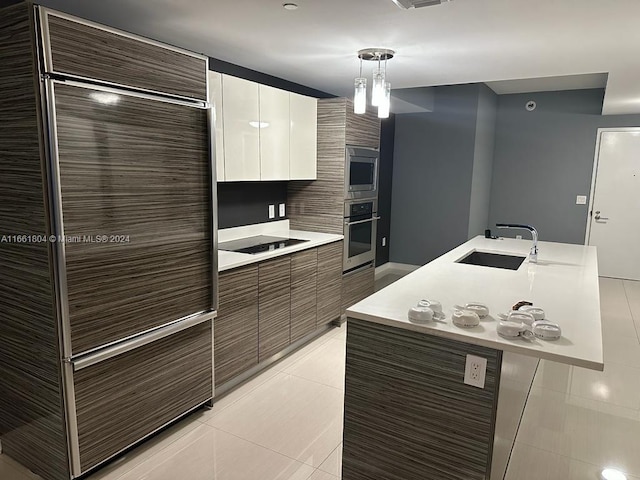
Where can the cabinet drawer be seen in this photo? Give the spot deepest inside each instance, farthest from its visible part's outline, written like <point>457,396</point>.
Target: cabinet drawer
<point>121,400</point>
<point>88,50</point>
<point>329,282</point>
<point>274,306</point>
<point>357,286</point>
<point>236,327</point>
<point>304,267</point>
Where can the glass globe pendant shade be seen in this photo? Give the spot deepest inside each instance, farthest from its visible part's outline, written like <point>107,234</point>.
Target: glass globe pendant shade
<point>360,96</point>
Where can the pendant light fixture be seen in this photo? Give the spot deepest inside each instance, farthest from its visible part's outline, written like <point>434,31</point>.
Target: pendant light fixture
<point>360,95</point>
<point>380,88</point>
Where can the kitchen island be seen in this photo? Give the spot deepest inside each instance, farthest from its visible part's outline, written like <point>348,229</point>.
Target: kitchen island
<point>408,413</point>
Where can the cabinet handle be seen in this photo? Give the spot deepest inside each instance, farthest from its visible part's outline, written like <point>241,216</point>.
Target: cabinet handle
<point>362,221</point>
<point>89,359</point>
<point>366,266</point>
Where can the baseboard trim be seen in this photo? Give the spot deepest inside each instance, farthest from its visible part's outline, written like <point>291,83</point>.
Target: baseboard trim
<point>393,267</point>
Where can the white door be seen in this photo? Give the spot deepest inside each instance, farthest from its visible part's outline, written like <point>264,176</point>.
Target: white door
<point>241,135</point>
<point>274,133</point>
<point>614,224</point>
<point>303,138</point>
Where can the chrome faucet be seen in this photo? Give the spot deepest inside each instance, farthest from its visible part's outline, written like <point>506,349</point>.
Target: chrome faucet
<point>533,255</point>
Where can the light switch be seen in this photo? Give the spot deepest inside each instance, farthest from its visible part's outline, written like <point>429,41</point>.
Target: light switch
<point>581,200</point>
<point>281,212</point>
<point>272,211</point>
<point>384,241</point>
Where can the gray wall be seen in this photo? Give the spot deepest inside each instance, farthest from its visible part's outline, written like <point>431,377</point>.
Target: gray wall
<point>432,176</point>
<point>544,158</point>
<point>483,161</point>
<point>385,185</point>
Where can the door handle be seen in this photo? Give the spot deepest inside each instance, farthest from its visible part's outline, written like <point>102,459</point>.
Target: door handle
<point>597,217</point>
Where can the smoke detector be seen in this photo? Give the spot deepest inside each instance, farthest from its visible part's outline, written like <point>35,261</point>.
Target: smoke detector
<point>406,4</point>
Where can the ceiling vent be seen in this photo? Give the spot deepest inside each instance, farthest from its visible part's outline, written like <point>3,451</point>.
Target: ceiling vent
<point>406,4</point>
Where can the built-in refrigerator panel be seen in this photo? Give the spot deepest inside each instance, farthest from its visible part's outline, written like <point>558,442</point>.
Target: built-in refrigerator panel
<point>109,172</point>
<point>135,191</point>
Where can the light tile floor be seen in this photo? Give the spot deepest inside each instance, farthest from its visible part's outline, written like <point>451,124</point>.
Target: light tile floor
<point>286,423</point>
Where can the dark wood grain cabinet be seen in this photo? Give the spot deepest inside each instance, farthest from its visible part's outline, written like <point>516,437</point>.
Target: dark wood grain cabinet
<point>85,50</point>
<point>105,336</point>
<point>265,307</point>
<point>304,283</point>
<point>274,306</point>
<point>123,174</point>
<point>329,290</point>
<point>362,130</point>
<point>236,327</point>
<point>357,286</point>
<point>319,206</point>
<point>122,399</point>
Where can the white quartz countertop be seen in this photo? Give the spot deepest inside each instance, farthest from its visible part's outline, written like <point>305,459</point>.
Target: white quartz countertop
<point>229,260</point>
<point>564,283</point>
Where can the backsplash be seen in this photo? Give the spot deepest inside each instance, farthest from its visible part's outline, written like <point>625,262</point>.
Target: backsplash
<point>246,203</point>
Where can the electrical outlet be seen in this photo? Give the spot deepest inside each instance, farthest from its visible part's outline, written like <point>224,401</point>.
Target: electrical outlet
<point>384,241</point>
<point>281,210</point>
<point>272,211</point>
<point>475,370</point>
<point>518,237</point>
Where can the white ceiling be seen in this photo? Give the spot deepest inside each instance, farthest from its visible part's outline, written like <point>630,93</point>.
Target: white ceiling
<point>549,84</point>
<point>462,41</point>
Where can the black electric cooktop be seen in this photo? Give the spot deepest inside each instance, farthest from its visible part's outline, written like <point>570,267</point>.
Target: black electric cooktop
<point>258,244</point>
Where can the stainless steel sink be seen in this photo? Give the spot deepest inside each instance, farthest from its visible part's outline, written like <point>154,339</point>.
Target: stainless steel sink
<point>493,260</point>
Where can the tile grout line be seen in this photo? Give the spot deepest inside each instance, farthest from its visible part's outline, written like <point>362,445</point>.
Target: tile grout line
<point>549,389</point>
<point>331,473</point>
<point>244,394</point>
<point>598,402</point>
<point>276,369</point>
<point>314,381</point>
<point>272,450</point>
<point>567,456</point>
<point>633,320</point>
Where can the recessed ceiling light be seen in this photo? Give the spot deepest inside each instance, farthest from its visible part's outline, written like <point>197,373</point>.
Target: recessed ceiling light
<point>612,474</point>
<point>290,6</point>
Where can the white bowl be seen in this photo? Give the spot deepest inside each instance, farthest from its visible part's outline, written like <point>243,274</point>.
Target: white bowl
<point>546,330</point>
<point>465,318</point>
<point>511,329</point>
<point>537,313</point>
<point>432,304</point>
<point>519,316</point>
<point>420,314</point>
<point>480,308</point>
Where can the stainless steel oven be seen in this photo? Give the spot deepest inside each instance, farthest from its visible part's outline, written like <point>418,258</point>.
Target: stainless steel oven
<point>360,226</point>
<point>361,173</point>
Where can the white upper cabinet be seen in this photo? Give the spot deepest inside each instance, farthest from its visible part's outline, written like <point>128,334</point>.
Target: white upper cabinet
<point>303,143</point>
<point>274,133</point>
<point>262,133</point>
<point>215,99</point>
<point>241,117</point>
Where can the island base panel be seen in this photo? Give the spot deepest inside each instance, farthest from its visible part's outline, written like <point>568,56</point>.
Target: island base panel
<point>408,415</point>
<point>516,378</point>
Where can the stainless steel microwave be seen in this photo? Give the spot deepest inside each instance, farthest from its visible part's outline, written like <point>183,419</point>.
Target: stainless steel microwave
<point>361,173</point>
